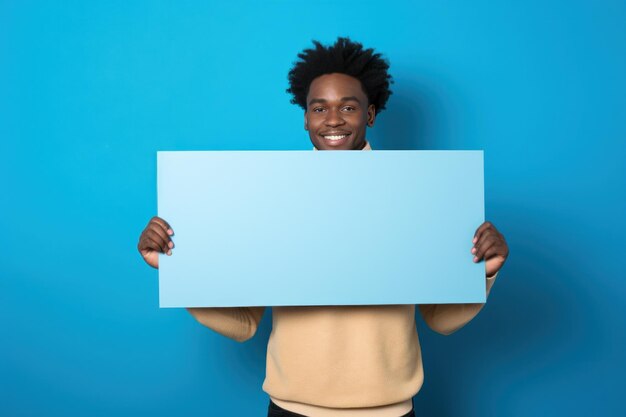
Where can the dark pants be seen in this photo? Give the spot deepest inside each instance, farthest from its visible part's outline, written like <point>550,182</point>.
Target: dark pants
<point>275,411</point>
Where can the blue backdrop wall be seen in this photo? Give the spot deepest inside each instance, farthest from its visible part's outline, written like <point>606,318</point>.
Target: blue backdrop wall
<point>89,91</point>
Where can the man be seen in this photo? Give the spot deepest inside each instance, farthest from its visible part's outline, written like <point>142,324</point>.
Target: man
<point>340,360</point>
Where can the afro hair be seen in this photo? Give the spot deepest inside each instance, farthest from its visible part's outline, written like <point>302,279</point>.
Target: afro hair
<point>345,57</point>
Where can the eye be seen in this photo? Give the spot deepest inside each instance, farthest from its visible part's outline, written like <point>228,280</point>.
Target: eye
<point>349,108</point>
<point>318,110</point>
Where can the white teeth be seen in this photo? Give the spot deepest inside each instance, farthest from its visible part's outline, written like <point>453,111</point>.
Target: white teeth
<point>336,137</point>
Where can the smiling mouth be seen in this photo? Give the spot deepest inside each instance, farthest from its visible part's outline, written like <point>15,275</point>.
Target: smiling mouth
<point>335,136</point>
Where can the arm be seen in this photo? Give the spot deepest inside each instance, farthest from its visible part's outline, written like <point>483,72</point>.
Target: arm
<point>239,323</point>
<point>448,318</point>
<point>489,244</point>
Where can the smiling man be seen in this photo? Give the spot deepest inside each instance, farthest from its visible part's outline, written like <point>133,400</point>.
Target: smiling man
<point>341,360</point>
<point>338,113</point>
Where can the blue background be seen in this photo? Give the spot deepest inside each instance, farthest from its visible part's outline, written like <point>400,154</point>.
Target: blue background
<point>89,91</point>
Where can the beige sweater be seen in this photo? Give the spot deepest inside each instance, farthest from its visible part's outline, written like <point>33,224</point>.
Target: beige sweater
<point>342,360</point>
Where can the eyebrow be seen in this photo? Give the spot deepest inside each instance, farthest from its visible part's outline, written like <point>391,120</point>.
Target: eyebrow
<point>322,101</point>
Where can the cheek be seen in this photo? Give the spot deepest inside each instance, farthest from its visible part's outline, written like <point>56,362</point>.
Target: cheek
<point>312,121</point>
<point>360,118</point>
<point>359,122</point>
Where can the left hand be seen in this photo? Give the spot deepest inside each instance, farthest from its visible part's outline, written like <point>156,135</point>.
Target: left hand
<point>489,244</point>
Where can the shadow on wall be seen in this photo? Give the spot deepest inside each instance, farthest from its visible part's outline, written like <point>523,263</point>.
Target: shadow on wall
<point>526,335</point>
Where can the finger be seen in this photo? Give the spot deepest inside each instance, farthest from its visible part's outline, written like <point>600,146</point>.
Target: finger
<point>484,246</point>
<point>165,225</point>
<point>151,244</point>
<point>162,233</point>
<point>163,244</point>
<point>485,237</point>
<point>148,243</point>
<point>492,252</point>
<point>481,229</point>
<point>489,233</point>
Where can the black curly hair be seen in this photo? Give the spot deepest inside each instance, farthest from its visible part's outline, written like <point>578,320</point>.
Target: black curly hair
<point>346,57</point>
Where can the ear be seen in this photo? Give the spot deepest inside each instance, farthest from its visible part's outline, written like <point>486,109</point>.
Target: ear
<point>306,126</point>
<point>371,115</point>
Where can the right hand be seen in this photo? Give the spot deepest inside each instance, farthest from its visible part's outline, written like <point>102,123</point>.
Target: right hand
<point>155,239</point>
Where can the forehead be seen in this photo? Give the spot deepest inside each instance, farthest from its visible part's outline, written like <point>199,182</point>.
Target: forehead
<point>335,86</point>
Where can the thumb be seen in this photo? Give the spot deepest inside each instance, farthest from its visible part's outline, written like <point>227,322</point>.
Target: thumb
<point>151,257</point>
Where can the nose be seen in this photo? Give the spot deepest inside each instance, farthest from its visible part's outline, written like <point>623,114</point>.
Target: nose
<point>334,119</point>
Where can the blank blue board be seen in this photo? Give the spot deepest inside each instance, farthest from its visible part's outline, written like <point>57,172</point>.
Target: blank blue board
<point>274,228</point>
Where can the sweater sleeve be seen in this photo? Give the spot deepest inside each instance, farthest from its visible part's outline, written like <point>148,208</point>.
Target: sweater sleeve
<point>448,318</point>
<point>238,323</point>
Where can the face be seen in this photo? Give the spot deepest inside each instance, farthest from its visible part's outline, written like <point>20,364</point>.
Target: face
<point>338,113</point>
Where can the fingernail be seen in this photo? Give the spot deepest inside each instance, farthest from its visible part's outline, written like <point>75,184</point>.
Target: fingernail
<point>474,240</point>
<point>475,259</point>
<point>473,250</point>
<point>170,232</point>
<point>169,253</point>
<point>170,244</point>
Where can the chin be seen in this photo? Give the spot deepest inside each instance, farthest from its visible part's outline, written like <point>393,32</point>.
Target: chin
<point>344,145</point>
